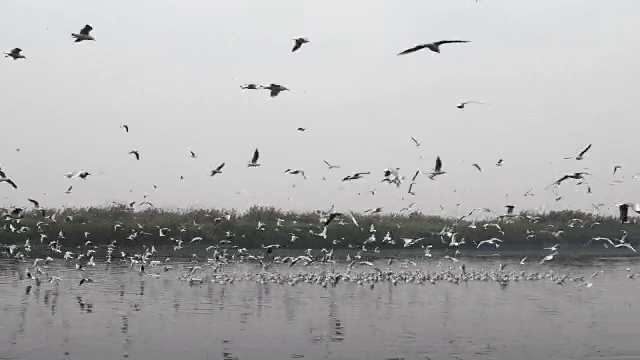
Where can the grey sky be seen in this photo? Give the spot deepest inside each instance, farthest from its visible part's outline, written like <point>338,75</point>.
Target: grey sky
<point>557,75</point>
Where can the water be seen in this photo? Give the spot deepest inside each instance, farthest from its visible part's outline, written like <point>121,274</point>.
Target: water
<point>127,315</point>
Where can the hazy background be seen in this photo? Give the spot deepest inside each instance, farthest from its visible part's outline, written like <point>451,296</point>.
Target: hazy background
<point>557,75</point>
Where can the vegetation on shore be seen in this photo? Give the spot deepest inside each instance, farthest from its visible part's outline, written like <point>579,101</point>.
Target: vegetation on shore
<point>131,229</point>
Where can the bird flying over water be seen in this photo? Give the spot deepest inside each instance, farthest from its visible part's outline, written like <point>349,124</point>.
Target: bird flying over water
<point>582,153</point>
<point>254,159</point>
<point>84,34</point>
<point>298,43</point>
<point>434,46</point>
<point>15,54</point>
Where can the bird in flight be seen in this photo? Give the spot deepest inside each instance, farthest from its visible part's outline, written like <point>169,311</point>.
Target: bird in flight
<point>298,43</point>
<point>135,153</point>
<point>465,103</point>
<point>125,127</point>
<point>415,141</point>
<point>296,172</point>
<point>477,167</point>
<point>437,170</point>
<point>84,34</point>
<point>434,46</point>
<point>274,89</point>
<point>499,163</point>
<point>624,211</point>
<point>250,87</point>
<point>217,170</point>
<point>331,166</point>
<point>15,54</point>
<point>576,175</point>
<point>355,176</point>
<point>254,159</point>
<point>582,153</point>
<point>193,155</point>
<point>616,168</point>
<point>301,129</point>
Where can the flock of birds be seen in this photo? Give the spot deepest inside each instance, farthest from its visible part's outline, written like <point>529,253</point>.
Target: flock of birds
<point>210,265</point>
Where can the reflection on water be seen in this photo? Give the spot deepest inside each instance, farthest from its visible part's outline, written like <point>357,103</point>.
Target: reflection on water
<point>125,314</point>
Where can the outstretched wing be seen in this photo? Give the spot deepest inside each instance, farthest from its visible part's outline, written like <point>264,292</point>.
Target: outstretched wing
<point>86,30</point>
<point>438,167</point>
<point>220,167</point>
<point>442,42</point>
<point>413,49</point>
<point>585,150</point>
<point>297,45</point>
<point>256,155</point>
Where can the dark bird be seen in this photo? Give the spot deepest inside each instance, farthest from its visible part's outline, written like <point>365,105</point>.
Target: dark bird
<point>415,141</point>
<point>193,155</point>
<point>510,209</point>
<point>298,43</point>
<point>576,175</point>
<point>10,182</point>
<point>15,54</point>
<point>615,169</point>
<point>582,153</point>
<point>2,174</point>
<point>254,159</point>
<point>84,34</point>
<point>477,167</point>
<point>331,217</point>
<point>434,46</point>
<point>35,203</point>
<point>135,153</point>
<point>437,170</point>
<point>499,163</point>
<point>301,129</point>
<point>274,89</point>
<point>355,176</point>
<point>217,170</point>
<point>125,127</point>
<point>83,281</point>
<point>465,103</point>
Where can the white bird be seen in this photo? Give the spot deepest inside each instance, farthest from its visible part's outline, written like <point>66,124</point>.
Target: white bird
<point>84,34</point>
<point>15,54</point>
<point>491,241</point>
<point>254,159</point>
<point>627,245</point>
<point>548,257</point>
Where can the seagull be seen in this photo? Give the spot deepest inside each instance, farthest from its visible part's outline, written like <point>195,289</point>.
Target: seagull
<point>549,257</point>
<point>499,163</point>
<point>576,175</point>
<point>83,281</point>
<point>80,174</point>
<point>69,190</point>
<point>616,168</point>
<point>510,208</point>
<point>477,167</point>
<point>135,153</point>
<point>298,43</point>
<point>627,245</point>
<point>254,159</point>
<point>217,170</point>
<point>582,153</point>
<point>411,189</point>
<point>275,89</point>
<point>331,166</point>
<point>437,170</point>
<point>9,181</point>
<point>491,241</point>
<point>35,203</point>
<point>624,210</point>
<point>434,46</point>
<point>355,176</point>
<point>301,129</point>
<point>84,34</point>
<point>331,217</point>
<point>296,172</point>
<point>464,103</point>
<point>415,141</point>
<point>193,155</point>
<point>125,127</point>
<point>15,54</point>
<point>250,87</point>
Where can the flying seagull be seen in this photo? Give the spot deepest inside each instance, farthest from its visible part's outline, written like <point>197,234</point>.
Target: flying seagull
<point>616,168</point>
<point>477,167</point>
<point>499,163</point>
<point>464,103</point>
<point>80,174</point>
<point>135,153</point>
<point>624,211</point>
<point>254,159</point>
<point>355,176</point>
<point>331,166</point>
<point>298,43</point>
<point>125,127</point>
<point>69,190</point>
<point>275,89</point>
<point>296,172</point>
<point>415,141</point>
<point>193,155</point>
<point>434,46</point>
<point>576,175</point>
<point>35,203</point>
<point>84,34</point>
<point>15,54</point>
<point>437,170</point>
<point>217,170</point>
<point>582,153</point>
<point>301,129</point>
<point>250,87</point>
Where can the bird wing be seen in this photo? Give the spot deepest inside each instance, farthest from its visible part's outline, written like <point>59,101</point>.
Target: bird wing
<point>562,179</point>
<point>585,150</point>
<point>442,42</point>
<point>297,45</point>
<point>220,167</point>
<point>34,202</point>
<point>438,164</point>
<point>256,155</point>
<point>86,30</point>
<point>413,49</point>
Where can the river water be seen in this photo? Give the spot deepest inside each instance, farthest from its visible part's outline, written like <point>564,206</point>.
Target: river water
<point>126,314</point>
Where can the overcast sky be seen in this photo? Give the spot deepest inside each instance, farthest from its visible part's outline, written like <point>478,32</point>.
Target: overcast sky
<point>556,75</point>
